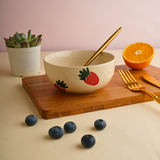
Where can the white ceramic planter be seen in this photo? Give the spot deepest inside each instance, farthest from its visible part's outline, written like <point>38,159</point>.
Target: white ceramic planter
<point>24,61</point>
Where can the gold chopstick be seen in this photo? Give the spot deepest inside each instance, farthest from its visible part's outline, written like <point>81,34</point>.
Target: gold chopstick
<point>103,47</point>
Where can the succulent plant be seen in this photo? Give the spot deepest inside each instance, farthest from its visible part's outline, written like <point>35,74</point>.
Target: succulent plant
<point>19,40</point>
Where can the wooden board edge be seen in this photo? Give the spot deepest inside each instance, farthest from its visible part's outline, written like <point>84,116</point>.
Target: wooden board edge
<point>50,114</point>
<point>41,112</point>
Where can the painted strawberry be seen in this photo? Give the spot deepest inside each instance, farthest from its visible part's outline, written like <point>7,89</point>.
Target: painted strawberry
<point>61,85</point>
<point>89,77</point>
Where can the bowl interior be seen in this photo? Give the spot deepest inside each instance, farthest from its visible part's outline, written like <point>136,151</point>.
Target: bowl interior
<point>77,58</point>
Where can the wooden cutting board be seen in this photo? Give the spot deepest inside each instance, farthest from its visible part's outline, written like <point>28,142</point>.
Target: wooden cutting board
<point>52,102</point>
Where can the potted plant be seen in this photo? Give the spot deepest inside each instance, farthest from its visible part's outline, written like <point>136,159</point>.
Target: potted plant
<point>24,53</point>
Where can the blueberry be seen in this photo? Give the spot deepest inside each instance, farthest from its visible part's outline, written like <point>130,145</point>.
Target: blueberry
<point>100,124</point>
<point>56,132</point>
<point>88,141</point>
<point>31,120</point>
<point>70,127</point>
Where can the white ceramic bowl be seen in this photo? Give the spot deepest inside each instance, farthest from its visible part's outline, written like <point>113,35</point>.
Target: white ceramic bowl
<point>66,70</point>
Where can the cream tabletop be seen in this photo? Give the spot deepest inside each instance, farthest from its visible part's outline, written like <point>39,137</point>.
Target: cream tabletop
<point>132,132</point>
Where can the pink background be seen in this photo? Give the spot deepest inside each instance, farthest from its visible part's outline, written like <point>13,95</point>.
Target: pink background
<point>82,24</point>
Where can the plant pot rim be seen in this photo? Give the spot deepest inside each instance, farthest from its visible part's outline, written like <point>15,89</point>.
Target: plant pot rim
<point>23,48</point>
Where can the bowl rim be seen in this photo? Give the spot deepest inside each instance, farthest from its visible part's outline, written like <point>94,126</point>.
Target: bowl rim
<point>78,66</point>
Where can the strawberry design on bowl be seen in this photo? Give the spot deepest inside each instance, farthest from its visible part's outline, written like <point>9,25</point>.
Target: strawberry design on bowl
<point>61,85</point>
<point>88,77</point>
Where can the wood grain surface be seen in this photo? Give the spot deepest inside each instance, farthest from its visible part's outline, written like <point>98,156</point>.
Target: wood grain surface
<point>53,103</point>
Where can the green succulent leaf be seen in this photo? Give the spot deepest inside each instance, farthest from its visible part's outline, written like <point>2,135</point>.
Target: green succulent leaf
<point>16,44</point>
<point>25,45</point>
<point>8,42</point>
<point>17,37</point>
<point>8,45</point>
<point>17,33</point>
<point>22,35</point>
<point>39,37</point>
<point>33,37</point>
<point>29,35</point>
<point>11,39</point>
<point>39,42</point>
<point>33,42</point>
<point>23,40</point>
<point>6,39</point>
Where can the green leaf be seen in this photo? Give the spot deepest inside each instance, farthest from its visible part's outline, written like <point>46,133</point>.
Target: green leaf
<point>39,37</point>
<point>61,84</point>
<point>29,35</point>
<point>22,35</point>
<point>17,37</point>
<point>33,42</point>
<point>11,39</point>
<point>84,74</point>
<point>32,37</point>
<point>25,45</point>
<point>23,40</point>
<point>8,42</point>
<point>16,44</point>
<point>39,42</point>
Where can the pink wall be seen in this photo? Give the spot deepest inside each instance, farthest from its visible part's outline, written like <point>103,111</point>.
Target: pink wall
<point>82,24</point>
